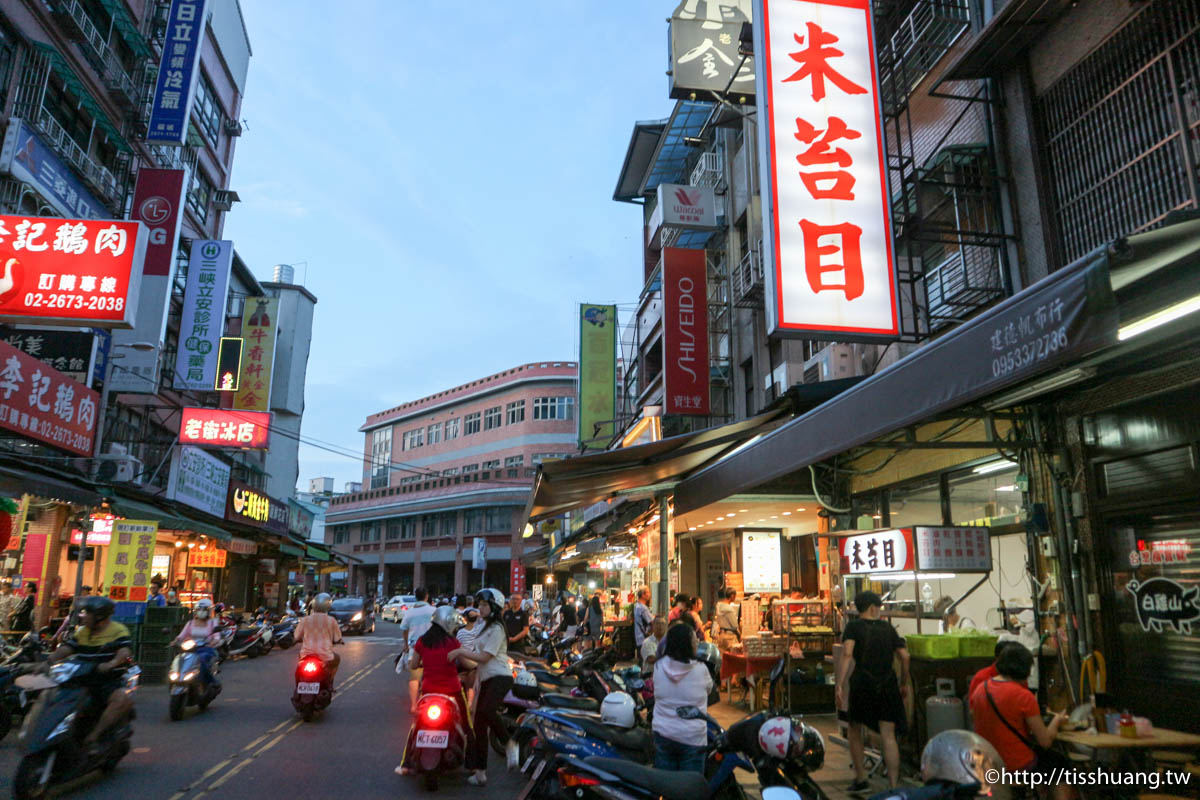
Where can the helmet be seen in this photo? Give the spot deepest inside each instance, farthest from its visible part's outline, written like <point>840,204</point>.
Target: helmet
<point>962,758</point>
<point>709,654</point>
<point>618,709</point>
<point>791,738</point>
<point>97,607</point>
<point>492,595</point>
<point>446,618</point>
<point>525,678</point>
<point>322,602</point>
<point>203,609</point>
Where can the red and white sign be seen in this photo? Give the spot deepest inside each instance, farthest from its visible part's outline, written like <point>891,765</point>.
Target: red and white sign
<point>157,200</point>
<point>828,235</point>
<point>78,271</point>
<point>685,331</point>
<point>878,552</point>
<point>101,532</point>
<point>953,549</point>
<point>518,576</point>
<point>39,402</point>
<point>218,427</point>
<point>687,206</point>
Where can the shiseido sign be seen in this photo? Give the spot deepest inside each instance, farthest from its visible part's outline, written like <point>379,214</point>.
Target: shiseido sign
<point>687,206</point>
<point>685,331</point>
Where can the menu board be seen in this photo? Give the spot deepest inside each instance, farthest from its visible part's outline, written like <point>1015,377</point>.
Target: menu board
<point>735,581</point>
<point>953,549</point>
<point>762,567</point>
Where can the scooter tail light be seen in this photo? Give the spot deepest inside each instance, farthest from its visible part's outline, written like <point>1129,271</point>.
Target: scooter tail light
<point>433,713</point>
<point>571,780</point>
<point>311,667</point>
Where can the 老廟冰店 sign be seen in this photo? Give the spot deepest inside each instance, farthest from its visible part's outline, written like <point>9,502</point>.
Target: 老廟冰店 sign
<point>831,267</point>
<point>218,427</point>
<point>74,271</point>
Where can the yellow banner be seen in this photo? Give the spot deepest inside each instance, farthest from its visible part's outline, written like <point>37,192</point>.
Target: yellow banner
<point>130,557</point>
<point>259,323</point>
<point>597,375</point>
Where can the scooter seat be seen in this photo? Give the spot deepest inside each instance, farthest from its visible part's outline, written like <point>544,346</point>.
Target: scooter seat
<point>567,701</point>
<point>558,680</point>
<point>669,784</point>
<point>635,739</point>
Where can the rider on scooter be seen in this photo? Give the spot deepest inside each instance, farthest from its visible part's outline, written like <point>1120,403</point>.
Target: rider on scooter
<point>440,674</point>
<point>318,633</point>
<point>202,626</point>
<point>98,634</point>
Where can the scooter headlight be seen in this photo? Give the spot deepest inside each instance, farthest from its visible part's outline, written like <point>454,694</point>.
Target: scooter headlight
<point>189,644</point>
<point>191,675</point>
<point>63,726</point>
<point>174,676</point>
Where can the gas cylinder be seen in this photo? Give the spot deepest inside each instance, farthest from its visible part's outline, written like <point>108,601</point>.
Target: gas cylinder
<point>944,711</point>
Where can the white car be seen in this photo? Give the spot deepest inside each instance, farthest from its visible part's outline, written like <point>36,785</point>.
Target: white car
<point>395,608</point>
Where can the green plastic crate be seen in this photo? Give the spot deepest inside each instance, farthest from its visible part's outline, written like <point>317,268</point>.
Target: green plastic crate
<point>166,615</point>
<point>154,655</point>
<point>976,646</point>
<point>932,646</point>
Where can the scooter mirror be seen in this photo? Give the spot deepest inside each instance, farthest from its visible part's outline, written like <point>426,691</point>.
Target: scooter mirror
<point>691,712</point>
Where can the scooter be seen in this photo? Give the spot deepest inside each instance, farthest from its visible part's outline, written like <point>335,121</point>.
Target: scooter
<point>284,632</point>
<point>16,702</point>
<point>266,639</point>
<point>53,733</point>
<point>314,687</point>
<point>191,683</point>
<point>245,640</point>
<point>440,741</point>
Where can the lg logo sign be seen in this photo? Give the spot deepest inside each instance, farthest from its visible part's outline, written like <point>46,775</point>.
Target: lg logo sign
<point>155,211</point>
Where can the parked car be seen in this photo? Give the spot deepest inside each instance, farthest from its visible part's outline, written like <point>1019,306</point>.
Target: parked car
<point>394,609</point>
<point>353,614</point>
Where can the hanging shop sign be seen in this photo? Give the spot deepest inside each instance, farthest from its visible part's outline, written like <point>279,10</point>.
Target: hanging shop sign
<point>1161,551</point>
<point>219,427</point>
<point>229,364</point>
<point>278,516</point>
<point>73,353</point>
<point>208,558</point>
<point>830,264</point>
<point>518,576</point>
<point>203,319</point>
<point>252,507</point>
<point>240,546</point>
<point>40,403</point>
<point>200,480</point>
<point>479,553</point>
<point>685,331</point>
<point>879,552</point>
<point>127,570</point>
<point>101,532</point>
<point>597,375</point>
<point>158,200</point>
<point>705,40</point>
<point>25,157</point>
<point>258,354</point>
<point>949,549</point>
<point>687,207</point>
<point>177,72</point>
<point>1162,603</point>
<point>762,563</point>
<point>300,519</point>
<point>70,271</point>
<point>34,563</point>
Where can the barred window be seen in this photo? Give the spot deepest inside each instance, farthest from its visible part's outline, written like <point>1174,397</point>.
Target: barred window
<point>491,418</point>
<point>554,408</point>
<point>515,412</point>
<point>471,423</point>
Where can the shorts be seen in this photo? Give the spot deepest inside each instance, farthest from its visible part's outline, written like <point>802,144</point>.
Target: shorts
<point>873,700</point>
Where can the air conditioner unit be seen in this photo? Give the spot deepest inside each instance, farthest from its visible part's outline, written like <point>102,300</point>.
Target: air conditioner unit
<point>233,127</point>
<point>223,199</point>
<point>120,468</point>
<point>832,362</point>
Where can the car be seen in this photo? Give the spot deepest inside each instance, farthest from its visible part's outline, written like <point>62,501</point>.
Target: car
<point>353,614</point>
<point>394,609</point>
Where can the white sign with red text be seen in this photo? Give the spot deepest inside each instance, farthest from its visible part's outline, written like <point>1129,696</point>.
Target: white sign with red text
<point>687,206</point>
<point>827,232</point>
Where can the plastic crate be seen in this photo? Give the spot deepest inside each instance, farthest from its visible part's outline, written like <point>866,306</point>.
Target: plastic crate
<point>932,646</point>
<point>154,655</point>
<point>976,646</point>
<point>165,615</point>
<point>154,673</point>
<point>128,612</point>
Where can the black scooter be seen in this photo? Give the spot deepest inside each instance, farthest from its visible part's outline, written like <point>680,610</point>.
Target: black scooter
<point>16,702</point>
<point>191,684</point>
<point>284,633</point>
<point>439,738</point>
<point>314,687</point>
<point>53,733</point>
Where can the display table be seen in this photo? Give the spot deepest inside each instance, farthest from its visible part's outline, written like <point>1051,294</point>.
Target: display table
<point>1160,738</point>
<point>739,665</point>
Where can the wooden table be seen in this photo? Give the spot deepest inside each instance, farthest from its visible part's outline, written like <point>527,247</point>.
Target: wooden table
<point>738,665</point>
<point>1160,739</point>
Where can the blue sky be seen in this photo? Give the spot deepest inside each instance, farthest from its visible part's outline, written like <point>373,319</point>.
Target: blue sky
<point>446,169</point>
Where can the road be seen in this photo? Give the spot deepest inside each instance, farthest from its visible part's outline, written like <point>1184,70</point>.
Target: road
<point>250,743</point>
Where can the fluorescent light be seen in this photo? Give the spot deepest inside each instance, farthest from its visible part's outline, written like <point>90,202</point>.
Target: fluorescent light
<point>787,513</point>
<point>1159,318</point>
<point>994,466</point>
<point>692,528</point>
<point>897,577</point>
<point>1012,487</point>
<point>743,510</point>
<point>1057,380</point>
<point>731,514</point>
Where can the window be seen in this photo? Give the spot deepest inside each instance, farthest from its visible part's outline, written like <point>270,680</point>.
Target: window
<point>341,535</point>
<point>414,439</point>
<point>553,408</point>
<point>381,457</point>
<point>471,424</point>
<point>917,505</point>
<point>498,518</point>
<point>199,195</point>
<point>208,109</point>
<point>370,532</point>
<point>473,520</point>
<point>514,461</point>
<point>494,464</point>
<point>470,468</point>
<point>491,419</point>
<point>451,471</point>
<point>448,524</point>
<point>515,412</point>
<point>8,52</point>
<point>451,429</point>
<point>435,433</point>
<point>992,498</point>
<point>408,529</point>
<point>393,529</point>
<point>429,524</point>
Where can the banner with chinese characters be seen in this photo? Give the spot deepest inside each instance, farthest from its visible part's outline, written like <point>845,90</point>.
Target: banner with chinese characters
<point>259,323</point>
<point>73,353</point>
<point>39,402</point>
<point>177,73</point>
<point>219,427</point>
<point>250,506</point>
<point>203,319</point>
<point>70,271</point>
<point>199,480</point>
<point>878,552</point>
<point>208,558</point>
<point>597,375</point>
<point>130,554</point>
<point>685,331</point>
<point>705,44</point>
<point>27,158</point>
<point>961,549</point>
<point>830,269</point>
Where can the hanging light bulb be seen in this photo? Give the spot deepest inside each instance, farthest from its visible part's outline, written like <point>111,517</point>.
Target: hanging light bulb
<point>179,543</point>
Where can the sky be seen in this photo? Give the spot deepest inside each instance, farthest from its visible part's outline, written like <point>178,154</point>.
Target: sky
<point>446,172</point>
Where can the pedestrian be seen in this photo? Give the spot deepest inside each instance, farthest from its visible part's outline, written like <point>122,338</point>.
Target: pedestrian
<point>173,598</point>
<point>867,686</point>
<point>696,612</point>
<point>680,680</point>
<point>991,671</point>
<point>8,602</point>
<point>156,599</point>
<point>642,618</point>
<point>594,620</point>
<point>679,606</point>
<point>488,655</point>
<point>649,649</point>
<point>21,617</point>
<point>569,624</point>
<point>516,624</point>
<point>413,624</point>
<point>1007,715</point>
<point>466,636</point>
<point>726,621</point>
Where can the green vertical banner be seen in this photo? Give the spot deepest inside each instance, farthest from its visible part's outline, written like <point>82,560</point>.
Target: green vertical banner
<point>597,375</point>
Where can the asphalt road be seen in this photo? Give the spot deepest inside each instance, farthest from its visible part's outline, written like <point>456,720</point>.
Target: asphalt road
<point>250,742</point>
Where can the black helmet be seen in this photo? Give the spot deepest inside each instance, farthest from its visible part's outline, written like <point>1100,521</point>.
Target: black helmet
<point>97,607</point>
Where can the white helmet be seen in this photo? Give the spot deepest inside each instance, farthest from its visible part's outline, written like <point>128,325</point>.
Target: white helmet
<point>526,678</point>
<point>495,595</point>
<point>446,618</point>
<point>203,609</point>
<point>618,709</point>
<point>775,737</point>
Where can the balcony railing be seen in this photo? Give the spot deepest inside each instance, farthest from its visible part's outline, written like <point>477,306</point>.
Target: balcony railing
<point>174,157</point>
<point>93,173</point>
<point>80,28</point>
<point>748,279</point>
<point>118,82</point>
<point>708,170</point>
<point>918,43</point>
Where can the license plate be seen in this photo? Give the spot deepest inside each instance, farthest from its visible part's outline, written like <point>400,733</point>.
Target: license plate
<point>533,781</point>
<point>308,688</point>
<point>437,739</point>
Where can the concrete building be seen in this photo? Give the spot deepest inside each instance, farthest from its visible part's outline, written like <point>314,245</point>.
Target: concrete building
<point>446,469</point>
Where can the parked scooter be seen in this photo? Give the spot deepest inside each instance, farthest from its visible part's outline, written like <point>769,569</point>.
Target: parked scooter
<point>284,631</point>
<point>245,640</point>
<point>314,687</point>
<point>191,683</point>
<point>53,733</point>
<point>440,741</point>
<point>16,702</point>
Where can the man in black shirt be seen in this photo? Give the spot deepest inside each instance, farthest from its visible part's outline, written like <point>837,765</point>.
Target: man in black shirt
<point>516,625</point>
<point>867,686</point>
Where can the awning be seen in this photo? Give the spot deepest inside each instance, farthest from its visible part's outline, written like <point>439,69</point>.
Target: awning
<point>169,520</point>
<point>671,156</point>
<point>332,568</point>
<point>642,146</point>
<point>64,71</point>
<point>16,482</point>
<point>575,482</point>
<point>1059,321</point>
<point>1004,39</point>
<point>317,553</point>
<point>126,27</point>
<point>289,550</point>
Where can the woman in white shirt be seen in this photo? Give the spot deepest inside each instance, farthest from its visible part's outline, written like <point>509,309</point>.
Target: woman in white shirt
<point>488,655</point>
<point>680,680</point>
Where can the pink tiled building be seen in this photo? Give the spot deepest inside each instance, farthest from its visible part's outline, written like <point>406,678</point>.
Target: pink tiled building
<point>444,470</point>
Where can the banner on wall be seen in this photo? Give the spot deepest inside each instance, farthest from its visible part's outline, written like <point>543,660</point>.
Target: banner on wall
<point>597,375</point>
<point>259,324</point>
<point>130,559</point>
<point>685,331</point>
<point>203,319</point>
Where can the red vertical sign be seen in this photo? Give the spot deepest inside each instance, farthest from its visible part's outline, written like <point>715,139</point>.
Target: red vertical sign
<point>157,201</point>
<point>685,331</point>
<point>518,577</point>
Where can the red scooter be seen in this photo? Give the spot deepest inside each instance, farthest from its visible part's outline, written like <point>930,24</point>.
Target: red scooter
<point>314,687</point>
<point>439,740</point>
